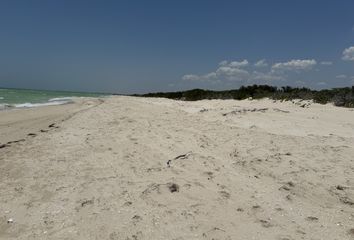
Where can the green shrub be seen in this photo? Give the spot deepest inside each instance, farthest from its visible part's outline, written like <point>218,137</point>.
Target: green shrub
<point>343,97</point>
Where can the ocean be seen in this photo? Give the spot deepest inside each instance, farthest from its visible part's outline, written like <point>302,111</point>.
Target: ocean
<point>24,98</point>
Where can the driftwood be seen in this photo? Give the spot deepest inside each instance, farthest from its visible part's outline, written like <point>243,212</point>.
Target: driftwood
<point>16,141</point>
<point>245,110</point>
<point>279,110</point>
<point>183,156</point>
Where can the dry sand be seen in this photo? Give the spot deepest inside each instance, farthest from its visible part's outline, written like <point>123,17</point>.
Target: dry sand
<point>137,168</point>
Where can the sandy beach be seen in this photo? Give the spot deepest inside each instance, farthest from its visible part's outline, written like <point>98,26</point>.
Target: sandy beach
<point>142,168</point>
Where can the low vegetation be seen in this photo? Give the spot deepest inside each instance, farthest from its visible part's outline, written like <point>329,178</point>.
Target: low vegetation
<point>343,97</point>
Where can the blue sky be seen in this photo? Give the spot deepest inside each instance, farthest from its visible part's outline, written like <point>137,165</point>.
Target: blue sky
<point>143,46</point>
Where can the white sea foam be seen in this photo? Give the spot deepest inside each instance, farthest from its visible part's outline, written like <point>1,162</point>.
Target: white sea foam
<point>30,105</point>
<point>60,99</point>
<point>6,106</point>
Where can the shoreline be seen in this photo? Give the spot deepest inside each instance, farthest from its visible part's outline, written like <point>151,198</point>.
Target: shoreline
<point>17,124</point>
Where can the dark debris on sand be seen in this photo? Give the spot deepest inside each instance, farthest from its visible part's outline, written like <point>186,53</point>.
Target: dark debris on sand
<point>173,187</point>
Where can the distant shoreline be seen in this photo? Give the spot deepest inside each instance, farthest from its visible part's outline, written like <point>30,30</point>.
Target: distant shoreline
<point>11,98</point>
<point>21,123</point>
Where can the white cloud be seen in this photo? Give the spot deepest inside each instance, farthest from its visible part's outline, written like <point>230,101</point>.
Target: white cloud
<point>326,63</point>
<point>191,77</point>
<point>236,64</point>
<point>261,63</point>
<point>230,71</point>
<point>227,70</point>
<point>341,76</point>
<point>295,65</point>
<point>210,75</point>
<point>348,54</point>
<point>223,63</point>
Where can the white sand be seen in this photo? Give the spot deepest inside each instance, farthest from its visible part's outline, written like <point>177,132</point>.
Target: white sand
<point>250,170</point>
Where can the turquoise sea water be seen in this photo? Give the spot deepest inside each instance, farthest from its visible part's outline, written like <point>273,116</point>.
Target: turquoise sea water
<point>22,98</point>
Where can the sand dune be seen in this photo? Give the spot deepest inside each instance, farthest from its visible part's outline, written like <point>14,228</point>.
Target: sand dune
<point>138,168</point>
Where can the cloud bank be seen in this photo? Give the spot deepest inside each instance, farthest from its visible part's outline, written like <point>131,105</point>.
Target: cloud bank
<point>261,63</point>
<point>295,65</point>
<point>246,73</point>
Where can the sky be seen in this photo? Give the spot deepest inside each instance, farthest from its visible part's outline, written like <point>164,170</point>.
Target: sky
<point>158,45</point>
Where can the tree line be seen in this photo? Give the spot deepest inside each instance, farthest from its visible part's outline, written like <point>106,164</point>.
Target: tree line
<point>343,97</point>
